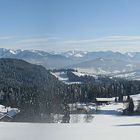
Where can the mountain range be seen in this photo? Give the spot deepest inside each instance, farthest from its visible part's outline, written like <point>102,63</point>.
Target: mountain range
<point>102,62</point>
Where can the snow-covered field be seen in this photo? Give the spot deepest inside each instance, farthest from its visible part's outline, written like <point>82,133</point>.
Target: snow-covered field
<point>106,125</point>
<point>62,76</point>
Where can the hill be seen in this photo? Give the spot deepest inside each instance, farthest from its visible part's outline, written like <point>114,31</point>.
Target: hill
<point>29,87</point>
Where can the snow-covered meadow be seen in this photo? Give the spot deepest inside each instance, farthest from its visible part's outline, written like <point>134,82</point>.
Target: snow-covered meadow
<point>107,125</point>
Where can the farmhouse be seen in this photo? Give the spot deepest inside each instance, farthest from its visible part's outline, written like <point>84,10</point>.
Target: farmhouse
<point>5,117</point>
<point>100,101</point>
<point>7,113</point>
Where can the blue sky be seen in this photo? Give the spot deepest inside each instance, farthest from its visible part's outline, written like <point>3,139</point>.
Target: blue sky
<point>59,25</point>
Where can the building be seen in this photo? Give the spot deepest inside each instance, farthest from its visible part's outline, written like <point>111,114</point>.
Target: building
<point>5,117</point>
<point>7,113</point>
<point>100,101</point>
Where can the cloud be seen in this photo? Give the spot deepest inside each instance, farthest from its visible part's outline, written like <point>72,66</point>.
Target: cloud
<point>7,37</point>
<point>108,39</point>
<point>30,40</point>
<point>52,43</point>
<point>114,43</point>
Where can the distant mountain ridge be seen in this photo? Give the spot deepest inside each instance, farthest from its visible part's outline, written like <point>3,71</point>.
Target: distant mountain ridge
<point>101,61</point>
<point>68,54</point>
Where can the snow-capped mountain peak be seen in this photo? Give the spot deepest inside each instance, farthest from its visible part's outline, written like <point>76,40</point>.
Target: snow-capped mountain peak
<point>13,52</point>
<point>130,54</point>
<point>74,53</point>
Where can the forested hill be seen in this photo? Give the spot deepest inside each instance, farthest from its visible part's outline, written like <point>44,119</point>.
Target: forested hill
<point>20,73</point>
<point>29,87</point>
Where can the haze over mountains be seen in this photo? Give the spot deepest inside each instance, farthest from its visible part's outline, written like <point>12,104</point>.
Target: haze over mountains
<point>101,62</point>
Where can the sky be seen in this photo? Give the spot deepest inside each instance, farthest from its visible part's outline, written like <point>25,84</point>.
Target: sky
<point>61,25</point>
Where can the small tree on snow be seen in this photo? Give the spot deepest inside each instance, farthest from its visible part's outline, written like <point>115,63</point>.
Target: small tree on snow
<point>130,106</point>
<point>138,107</point>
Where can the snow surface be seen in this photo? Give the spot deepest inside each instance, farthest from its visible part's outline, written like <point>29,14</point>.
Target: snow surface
<point>136,97</point>
<point>94,71</point>
<point>130,54</point>
<point>75,53</point>
<point>79,74</point>
<point>106,99</point>
<point>12,52</point>
<point>62,76</point>
<point>126,75</point>
<point>106,125</point>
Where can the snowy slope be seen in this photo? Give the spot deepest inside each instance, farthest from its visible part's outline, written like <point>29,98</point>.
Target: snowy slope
<point>79,74</point>
<point>136,97</point>
<point>62,76</point>
<point>132,75</point>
